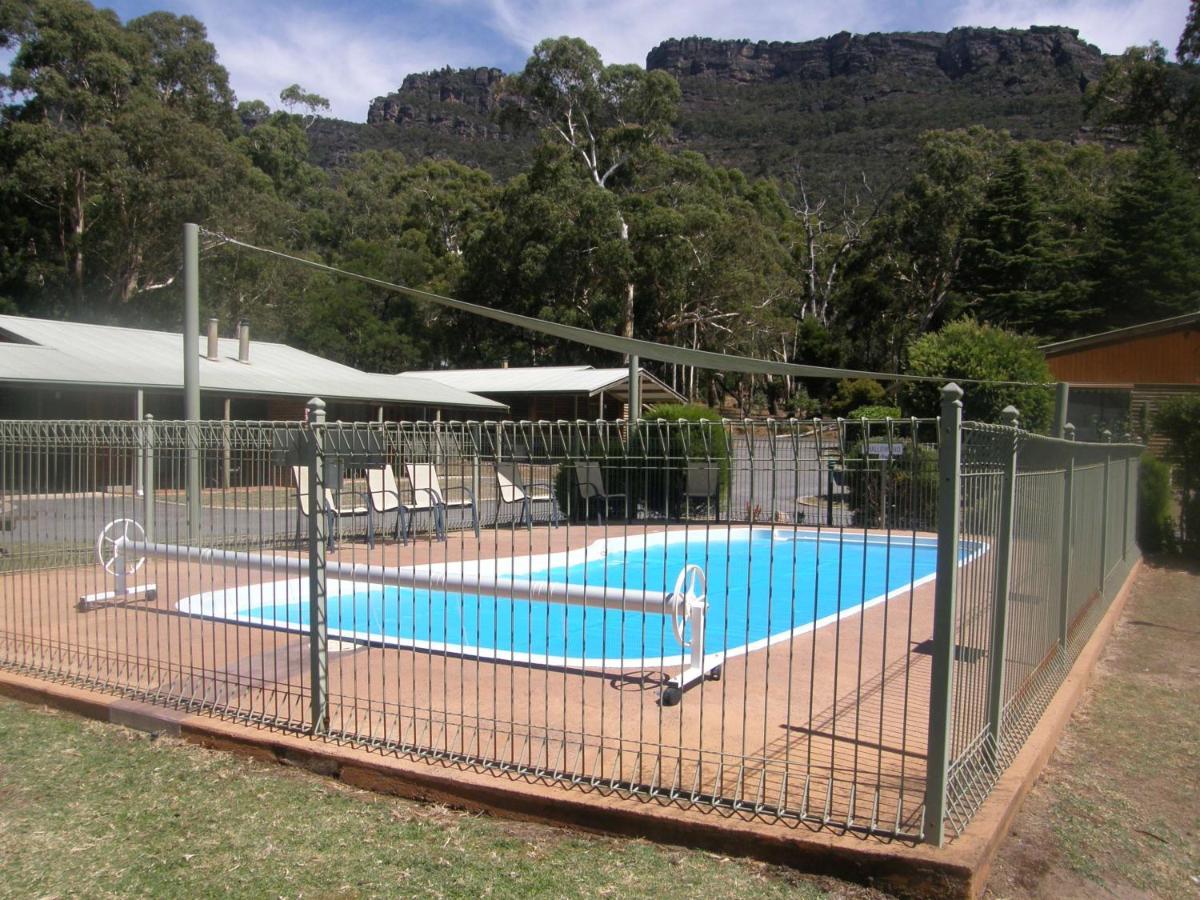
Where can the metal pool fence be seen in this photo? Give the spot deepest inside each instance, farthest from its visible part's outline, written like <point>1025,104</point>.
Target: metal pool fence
<point>737,616</point>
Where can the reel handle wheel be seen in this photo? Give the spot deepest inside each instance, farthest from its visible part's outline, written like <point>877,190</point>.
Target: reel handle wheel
<point>690,589</point>
<point>106,545</point>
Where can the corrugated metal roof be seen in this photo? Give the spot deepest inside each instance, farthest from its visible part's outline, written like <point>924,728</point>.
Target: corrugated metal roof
<point>106,356</point>
<point>544,380</point>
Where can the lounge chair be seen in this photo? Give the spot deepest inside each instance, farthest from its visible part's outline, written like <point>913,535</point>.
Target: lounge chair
<point>425,482</point>
<point>703,483</point>
<point>334,513</point>
<point>385,495</point>
<point>514,490</point>
<point>591,488</point>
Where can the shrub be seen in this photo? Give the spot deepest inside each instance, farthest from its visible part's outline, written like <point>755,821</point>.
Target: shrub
<point>966,349</point>
<point>875,412</point>
<point>905,486</point>
<point>1178,420</point>
<point>650,465</point>
<point>1155,529</point>
<point>855,394</point>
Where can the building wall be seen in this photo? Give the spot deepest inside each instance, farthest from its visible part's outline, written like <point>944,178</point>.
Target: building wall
<point>1170,358</point>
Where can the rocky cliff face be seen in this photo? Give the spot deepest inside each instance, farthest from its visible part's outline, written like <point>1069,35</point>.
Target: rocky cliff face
<point>1040,51</point>
<point>458,101</point>
<point>839,109</point>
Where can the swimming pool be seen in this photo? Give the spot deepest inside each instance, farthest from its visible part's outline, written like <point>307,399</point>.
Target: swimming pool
<point>764,585</point>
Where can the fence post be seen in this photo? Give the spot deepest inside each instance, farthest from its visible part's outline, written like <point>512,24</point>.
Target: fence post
<point>148,477</point>
<point>1068,539</point>
<point>1062,399</point>
<point>940,688</point>
<point>1105,436</point>
<point>1125,515</point>
<point>1003,568</point>
<point>318,523</point>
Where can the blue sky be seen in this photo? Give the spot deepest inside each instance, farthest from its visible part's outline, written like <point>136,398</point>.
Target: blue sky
<point>354,51</point>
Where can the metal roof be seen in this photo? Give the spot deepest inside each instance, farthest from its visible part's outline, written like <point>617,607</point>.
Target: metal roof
<point>547,380</point>
<point>43,351</point>
<point>1119,334</point>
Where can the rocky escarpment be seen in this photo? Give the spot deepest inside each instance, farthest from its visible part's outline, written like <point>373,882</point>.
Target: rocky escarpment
<point>1011,57</point>
<point>458,101</point>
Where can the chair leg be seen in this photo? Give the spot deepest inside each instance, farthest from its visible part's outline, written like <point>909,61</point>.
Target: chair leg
<point>475,520</point>
<point>370,529</point>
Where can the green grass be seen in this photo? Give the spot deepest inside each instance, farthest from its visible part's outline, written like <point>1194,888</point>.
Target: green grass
<point>89,808</point>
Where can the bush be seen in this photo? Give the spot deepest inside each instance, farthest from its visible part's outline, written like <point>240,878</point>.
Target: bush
<point>875,412</point>
<point>1155,529</point>
<point>1178,420</point>
<point>907,489</point>
<point>966,349</point>
<point>650,467</point>
<point>855,394</point>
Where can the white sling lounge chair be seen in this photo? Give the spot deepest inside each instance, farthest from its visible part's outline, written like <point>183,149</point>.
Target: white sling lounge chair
<point>592,489</point>
<point>334,512</point>
<point>425,482</point>
<point>514,490</point>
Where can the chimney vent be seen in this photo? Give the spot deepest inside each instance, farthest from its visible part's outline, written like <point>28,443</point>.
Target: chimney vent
<point>244,341</point>
<point>214,352</point>
<point>504,363</point>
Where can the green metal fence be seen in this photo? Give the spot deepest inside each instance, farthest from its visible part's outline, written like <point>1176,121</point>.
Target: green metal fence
<point>1057,517</point>
<point>882,706</point>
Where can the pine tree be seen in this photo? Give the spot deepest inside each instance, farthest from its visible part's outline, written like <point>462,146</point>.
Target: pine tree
<point>1149,264</point>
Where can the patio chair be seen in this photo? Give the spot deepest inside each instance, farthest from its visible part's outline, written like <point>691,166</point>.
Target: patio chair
<point>514,490</point>
<point>424,479</point>
<point>591,487</point>
<point>385,495</point>
<point>334,513</point>
<point>703,483</point>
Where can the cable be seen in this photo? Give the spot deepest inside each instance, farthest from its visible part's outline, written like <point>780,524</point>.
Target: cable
<point>703,359</point>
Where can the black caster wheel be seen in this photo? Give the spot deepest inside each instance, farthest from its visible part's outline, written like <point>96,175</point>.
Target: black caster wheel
<point>715,674</point>
<point>670,696</point>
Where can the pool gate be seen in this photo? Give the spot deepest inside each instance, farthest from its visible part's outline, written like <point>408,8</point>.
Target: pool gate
<point>752,623</point>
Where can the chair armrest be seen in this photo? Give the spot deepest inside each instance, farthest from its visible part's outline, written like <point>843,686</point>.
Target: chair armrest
<point>542,484</point>
<point>463,489</point>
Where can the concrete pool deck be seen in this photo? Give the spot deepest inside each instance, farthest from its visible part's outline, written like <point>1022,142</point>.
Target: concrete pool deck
<point>845,705</point>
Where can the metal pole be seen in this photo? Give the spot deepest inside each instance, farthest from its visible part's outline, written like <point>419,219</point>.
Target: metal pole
<point>139,412</point>
<point>318,624</point>
<point>191,368</point>
<point>227,446</point>
<point>941,685</point>
<point>635,389</point>
<point>1106,436</point>
<point>1062,398</point>
<point>1068,540</point>
<point>148,477</point>
<point>1003,569</point>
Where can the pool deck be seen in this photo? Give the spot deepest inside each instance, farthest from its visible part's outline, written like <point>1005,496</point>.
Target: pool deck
<point>830,723</point>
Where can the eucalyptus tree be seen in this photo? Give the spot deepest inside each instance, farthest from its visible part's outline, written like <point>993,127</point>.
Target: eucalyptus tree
<point>606,116</point>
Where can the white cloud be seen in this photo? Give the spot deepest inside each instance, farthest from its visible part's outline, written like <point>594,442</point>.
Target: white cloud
<point>625,30</point>
<point>1111,26</point>
<point>340,56</point>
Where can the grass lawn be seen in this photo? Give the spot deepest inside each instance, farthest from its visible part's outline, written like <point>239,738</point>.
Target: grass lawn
<point>1116,812</point>
<point>93,809</point>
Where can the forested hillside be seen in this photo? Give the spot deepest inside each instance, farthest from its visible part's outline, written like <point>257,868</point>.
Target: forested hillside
<point>779,240</point>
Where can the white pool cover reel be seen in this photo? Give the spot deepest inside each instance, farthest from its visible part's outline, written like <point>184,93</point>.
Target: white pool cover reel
<point>111,555</point>
<point>123,540</point>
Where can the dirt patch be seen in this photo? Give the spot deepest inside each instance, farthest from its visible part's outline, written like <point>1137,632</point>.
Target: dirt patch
<point>1116,813</point>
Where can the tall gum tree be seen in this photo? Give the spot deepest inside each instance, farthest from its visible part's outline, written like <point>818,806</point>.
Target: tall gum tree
<point>605,115</point>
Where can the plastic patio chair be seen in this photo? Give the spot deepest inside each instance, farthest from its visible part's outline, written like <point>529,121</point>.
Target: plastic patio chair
<point>334,513</point>
<point>514,490</point>
<point>703,483</point>
<point>591,487</point>
<point>385,495</point>
<point>425,482</point>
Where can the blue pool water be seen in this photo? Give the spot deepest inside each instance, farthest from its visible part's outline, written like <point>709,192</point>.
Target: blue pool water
<point>762,586</point>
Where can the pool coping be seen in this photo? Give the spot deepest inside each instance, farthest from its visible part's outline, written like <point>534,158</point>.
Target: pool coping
<point>206,605</point>
<point>959,869</point>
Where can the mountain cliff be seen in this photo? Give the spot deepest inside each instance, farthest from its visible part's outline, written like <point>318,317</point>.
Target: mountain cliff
<point>837,108</point>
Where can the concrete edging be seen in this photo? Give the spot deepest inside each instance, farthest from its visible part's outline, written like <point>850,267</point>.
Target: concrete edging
<point>960,869</point>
